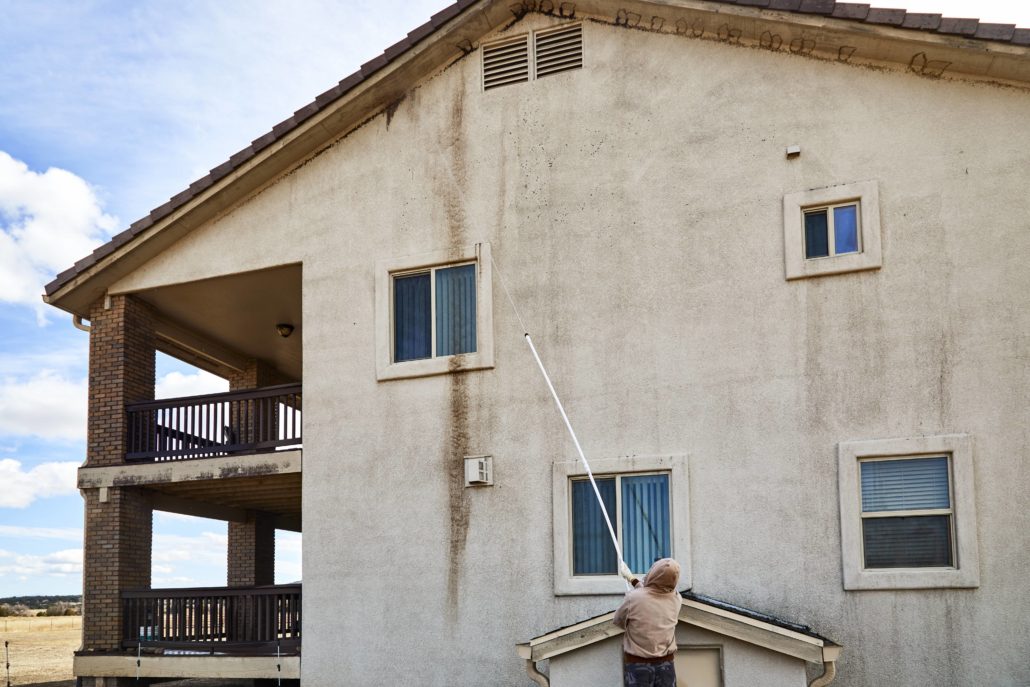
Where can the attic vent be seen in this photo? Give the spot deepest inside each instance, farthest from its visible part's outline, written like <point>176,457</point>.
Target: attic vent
<point>479,471</point>
<point>559,50</point>
<point>506,63</point>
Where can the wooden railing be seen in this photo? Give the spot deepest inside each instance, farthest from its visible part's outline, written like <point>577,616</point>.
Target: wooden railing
<point>235,422</point>
<point>233,620</point>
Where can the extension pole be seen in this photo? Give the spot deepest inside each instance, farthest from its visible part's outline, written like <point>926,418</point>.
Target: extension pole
<point>565,417</point>
<point>579,449</point>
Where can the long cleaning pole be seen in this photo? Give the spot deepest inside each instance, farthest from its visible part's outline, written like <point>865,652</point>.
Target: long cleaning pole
<point>565,417</point>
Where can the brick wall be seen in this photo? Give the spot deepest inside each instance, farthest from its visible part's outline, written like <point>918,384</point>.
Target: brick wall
<point>118,532</point>
<point>251,554</point>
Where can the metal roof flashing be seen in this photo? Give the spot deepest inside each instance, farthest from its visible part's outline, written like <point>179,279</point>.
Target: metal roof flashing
<point>990,48</point>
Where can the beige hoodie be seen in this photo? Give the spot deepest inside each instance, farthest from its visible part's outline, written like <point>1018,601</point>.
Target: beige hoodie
<point>649,613</point>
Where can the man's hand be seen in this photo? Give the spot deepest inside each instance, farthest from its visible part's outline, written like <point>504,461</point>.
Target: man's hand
<point>628,574</point>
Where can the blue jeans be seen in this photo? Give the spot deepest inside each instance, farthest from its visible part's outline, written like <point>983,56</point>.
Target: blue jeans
<point>649,674</point>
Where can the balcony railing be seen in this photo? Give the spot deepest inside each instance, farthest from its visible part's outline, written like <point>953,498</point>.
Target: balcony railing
<point>252,621</point>
<point>235,422</point>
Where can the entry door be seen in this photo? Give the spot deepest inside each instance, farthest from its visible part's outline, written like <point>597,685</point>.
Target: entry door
<point>699,666</point>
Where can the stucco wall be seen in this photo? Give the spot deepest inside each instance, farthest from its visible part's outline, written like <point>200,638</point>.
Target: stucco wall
<point>635,210</point>
<point>600,665</point>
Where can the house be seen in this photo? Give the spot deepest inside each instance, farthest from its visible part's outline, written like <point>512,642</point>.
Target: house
<point>773,254</point>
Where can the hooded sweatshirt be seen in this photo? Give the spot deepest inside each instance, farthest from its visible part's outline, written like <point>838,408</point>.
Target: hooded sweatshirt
<point>649,613</point>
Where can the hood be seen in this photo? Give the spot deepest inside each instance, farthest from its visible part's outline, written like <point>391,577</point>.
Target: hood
<point>663,576</point>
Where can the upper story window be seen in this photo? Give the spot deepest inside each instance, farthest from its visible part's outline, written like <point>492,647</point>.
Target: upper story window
<point>433,313</point>
<point>908,513</point>
<point>832,230</point>
<point>638,506</point>
<point>646,498</point>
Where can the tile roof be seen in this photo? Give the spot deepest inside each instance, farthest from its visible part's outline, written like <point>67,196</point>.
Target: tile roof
<point>859,12</point>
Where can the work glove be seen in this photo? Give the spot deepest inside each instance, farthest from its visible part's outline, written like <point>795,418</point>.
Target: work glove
<point>627,573</point>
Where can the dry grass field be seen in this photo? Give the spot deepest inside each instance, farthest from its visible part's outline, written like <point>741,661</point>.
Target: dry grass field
<point>40,648</point>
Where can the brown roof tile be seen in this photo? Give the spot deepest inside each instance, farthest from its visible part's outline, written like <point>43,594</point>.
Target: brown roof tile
<point>840,10</point>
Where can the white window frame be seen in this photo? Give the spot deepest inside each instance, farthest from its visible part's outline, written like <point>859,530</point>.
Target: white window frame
<point>386,270</point>
<point>869,256</point>
<point>831,228</point>
<point>965,546</point>
<point>565,583</point>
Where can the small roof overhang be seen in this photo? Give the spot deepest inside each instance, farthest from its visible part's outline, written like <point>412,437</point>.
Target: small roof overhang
<point>700,611</point>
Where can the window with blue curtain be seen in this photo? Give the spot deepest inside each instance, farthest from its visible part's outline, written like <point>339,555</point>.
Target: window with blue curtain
<point>412,321</point>
<point>845,229</point>
<point>643,530</point>
<point>456,310</point>
<point>907,540</point>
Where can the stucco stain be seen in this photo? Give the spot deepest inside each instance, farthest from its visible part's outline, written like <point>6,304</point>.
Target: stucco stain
<point>456,447</point>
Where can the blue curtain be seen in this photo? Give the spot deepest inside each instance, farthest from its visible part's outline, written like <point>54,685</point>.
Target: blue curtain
<point>411,312</point>
<point>645,520</point>
<point>845,229</point>
<point>456,310</point>
<point>592,552</point>
<point>912,484</point>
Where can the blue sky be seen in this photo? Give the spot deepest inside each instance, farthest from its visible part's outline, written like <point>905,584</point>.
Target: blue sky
<point>108,108</point>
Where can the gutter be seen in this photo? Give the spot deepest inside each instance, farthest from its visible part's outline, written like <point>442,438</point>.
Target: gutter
<point>535,675</point>
<point>830,655</point>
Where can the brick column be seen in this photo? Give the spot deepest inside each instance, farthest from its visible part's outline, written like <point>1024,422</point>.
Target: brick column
<point>251,555</point>
<point>118,524</point>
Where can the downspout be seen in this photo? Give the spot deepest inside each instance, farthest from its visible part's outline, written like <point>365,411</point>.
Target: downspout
<point>77,321</point>
<point>829,673</point>
<point>539,677</point>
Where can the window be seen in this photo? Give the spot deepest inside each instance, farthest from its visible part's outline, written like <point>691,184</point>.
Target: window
<point>832,230</point>
<point>638,507</point>
<point>433,313</point>
<point>908,517</point>
<point>646,500</point>
<point>554,50</point>
<point>906,512</point>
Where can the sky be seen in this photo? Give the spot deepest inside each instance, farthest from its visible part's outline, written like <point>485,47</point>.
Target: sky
<point>108,108</point>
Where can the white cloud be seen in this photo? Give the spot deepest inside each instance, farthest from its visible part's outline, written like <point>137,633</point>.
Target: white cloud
<point>177,384</point>
<point>21,488</point>
<point>47,221</point>
<point>47,405</point>
<point>207,548</point>
<point>69,533</point>
<point>59,563</point>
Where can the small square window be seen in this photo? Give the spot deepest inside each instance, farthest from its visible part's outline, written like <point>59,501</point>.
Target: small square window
<point>908,513</point>
<point>646,499</point>
<point>831,230</point>
<point>638,507</point>
<point>433,313</point>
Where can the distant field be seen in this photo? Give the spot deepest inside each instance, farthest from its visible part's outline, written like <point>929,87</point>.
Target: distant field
<point>40,648</point>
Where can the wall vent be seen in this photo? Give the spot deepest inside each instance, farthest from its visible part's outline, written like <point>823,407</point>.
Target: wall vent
<point>559,50</point>
<point>506,63</point>
<point>479,471</point>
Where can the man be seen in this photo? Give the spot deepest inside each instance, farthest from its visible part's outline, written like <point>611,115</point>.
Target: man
<point>649,614</point>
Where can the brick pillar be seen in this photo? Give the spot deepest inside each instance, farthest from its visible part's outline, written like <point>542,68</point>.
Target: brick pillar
<point>118,523</point>
<point>251,555</point>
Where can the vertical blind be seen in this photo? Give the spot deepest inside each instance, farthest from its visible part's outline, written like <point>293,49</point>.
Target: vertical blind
<point>817,244</point>
<point>907,485</point>
<point>644,530</point>
<point>456,310</point>
<point>645,520</point>
<point>592,552</point>
<point>411,308</point>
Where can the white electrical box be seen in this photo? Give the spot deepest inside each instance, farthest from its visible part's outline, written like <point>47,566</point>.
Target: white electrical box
<point>479,471</point>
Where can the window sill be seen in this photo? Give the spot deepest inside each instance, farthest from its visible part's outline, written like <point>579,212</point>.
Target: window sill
<point>911,578</point>
<point>411,369</point>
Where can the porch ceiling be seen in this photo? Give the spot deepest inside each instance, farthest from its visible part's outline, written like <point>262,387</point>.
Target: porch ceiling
<point>239,312</point>
<point>276,494</point>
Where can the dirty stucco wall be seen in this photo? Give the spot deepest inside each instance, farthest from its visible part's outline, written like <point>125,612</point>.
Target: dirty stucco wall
<point>634,207</point>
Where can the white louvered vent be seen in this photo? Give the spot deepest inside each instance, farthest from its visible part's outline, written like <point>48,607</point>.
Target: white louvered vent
<point>559,50</point>
<point>479,471</point>
<point>506,63</point>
